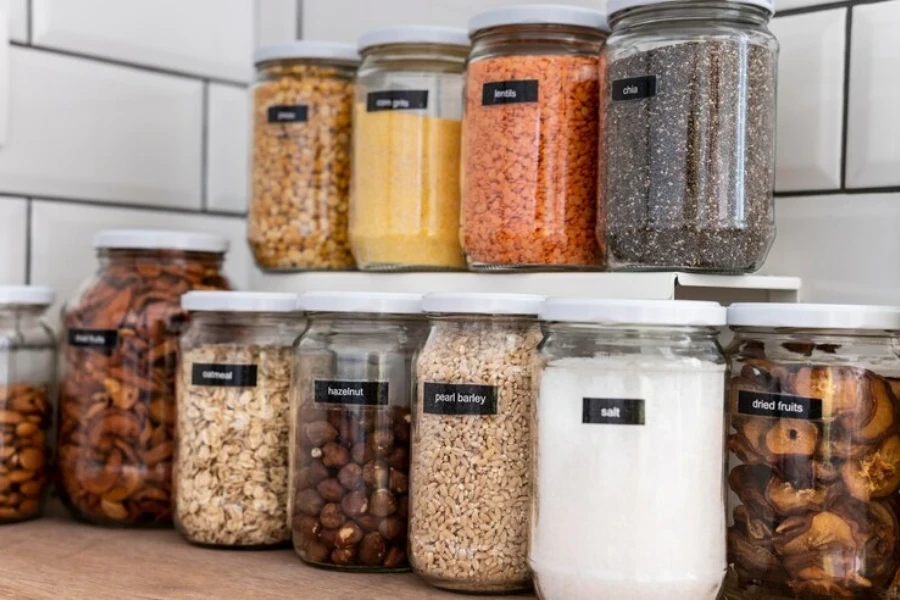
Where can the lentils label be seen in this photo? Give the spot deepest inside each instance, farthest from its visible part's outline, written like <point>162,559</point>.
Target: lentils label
<point>634,88</point>
<point>459,399</point>
<point>98,339</point>
<point>779,406</point>
<point>397,100</point>
<point>362,393</point>
<point>219,375</point>
<point>510,92</point>
<point>613,411</point>
<point>297,113</point>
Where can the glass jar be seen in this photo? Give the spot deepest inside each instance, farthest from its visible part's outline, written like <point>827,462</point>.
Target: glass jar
<point>27,396</point>
<point>231,457</point>
<point>471,449</point>
<point>350,430</point>
<point>689,125</point>
<point>404,208</point>
<point>117,395</point>
<point>530,143</point>
<point>629,451</point>
<point>300,189</point>
<point>814,452</point>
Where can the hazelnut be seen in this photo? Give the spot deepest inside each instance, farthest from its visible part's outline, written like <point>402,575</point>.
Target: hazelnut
<point>382,503</point>
<point>348,535</point>
<point>305,527</point>
<point>309,501</point>
<point>349,429</point>
<point>401,431</point>
<point>315,552</point>
<point>367,522</point>
<point>351,476</point>
<point>343,556</point>
<point>328,538</point>
<point>376,474</point>
<point>320,433</point>
<point>312,412</point>
<point>382,441</point>
<point>398,458</point>
<point>372,549</point>
<point>392,528</point>
<point>398,482</point>
<point>331,516</point>
<point>334,455</point>
<point>354,504</point>
<point>331,490</point>
<point>362,453</point>
<point>395,557</point>
<point>312,474</point>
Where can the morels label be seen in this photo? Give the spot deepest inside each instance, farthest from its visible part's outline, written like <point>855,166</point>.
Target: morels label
<point>363,393</point>
<point>98,339</point>
<point>778,406</point>
<point>509,92</point>
<point>634,88</point>
<point>459,399</point>
<point>612,411</point>
<point>297,113</point>
<point>397,100</point>
<point>220,375</point>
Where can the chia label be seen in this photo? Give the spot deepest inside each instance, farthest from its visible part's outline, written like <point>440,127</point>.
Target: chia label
<point>397,100</point>
<point>297,113</point>
<point>97,339</point>
<point>221,375</point>
<point>634,88</point>
<point>459,399</point>
<point>778,406</point>
<point>361,393</point>
<point>613,411</point>
<point>509,92</point>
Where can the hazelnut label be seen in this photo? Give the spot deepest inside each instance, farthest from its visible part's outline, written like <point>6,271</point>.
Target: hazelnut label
<point>363,393</point>
<point>634,88</point>
<point>98,339</point>
<point>219,375</point>
<point>612,411</point>
<point>778,406</point>
<point>459,399</point>
<point>397,100</point>
<point>297,113</point>
<point>509,92</point>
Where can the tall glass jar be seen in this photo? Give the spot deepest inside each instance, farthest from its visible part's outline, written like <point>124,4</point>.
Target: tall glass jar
<point>404,209</point>
<point>351,428</point>
<point>27,398</point>
<point>689,121</point>
<point>231,457</point>
<point>814,462</point>
<point>471,449</point>
<point>117,395</point>
<point>530,143</point>
<point>300,188</point>
<point>629,451</point>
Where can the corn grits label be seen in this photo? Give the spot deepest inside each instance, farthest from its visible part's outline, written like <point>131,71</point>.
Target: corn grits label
<point>763,404</point>
<point>363,393</point>
<point>220,375</point>
<point>634,88</point>
<point>98,339</point>
<point>297,113</point>
<point>459,399</point>
<point>612,411</point>
<point>510,92</point>
<point>396,100</point>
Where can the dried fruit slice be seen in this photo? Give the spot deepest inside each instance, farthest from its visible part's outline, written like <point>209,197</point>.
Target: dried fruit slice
<point>876,475</point>
<point>748,482</point>
<point>792,436</point>
<point>823,532</point>
<point>754,561</point>
<point>788,500</point>
<point>841,389</point>
<point>882,416</point>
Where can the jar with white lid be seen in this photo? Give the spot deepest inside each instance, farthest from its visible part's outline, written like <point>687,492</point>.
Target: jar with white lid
<point>27,399</point>
<point>629,451</point>
<point>471,451</point>
<point>351,428</point>
<point>814,452</point>
<point>404,208</point>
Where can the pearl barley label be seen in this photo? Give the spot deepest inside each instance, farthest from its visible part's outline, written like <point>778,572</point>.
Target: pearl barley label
<point>223,375</point>
<point>778,406</point>
<point>459,399</point>
<point>612,411</point>
<point>362,393</point>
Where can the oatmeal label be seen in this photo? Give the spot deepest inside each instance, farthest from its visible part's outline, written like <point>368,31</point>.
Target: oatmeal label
<point>397,100</point>
<point>459,399</point>
<point>98,339</point>
<point>218,375</point>
<point>363,393</point>
<point>297,113</point>
<point>510,92</point>
<point>778,406</point>
<point>634,88</point>
<point>612,411</point>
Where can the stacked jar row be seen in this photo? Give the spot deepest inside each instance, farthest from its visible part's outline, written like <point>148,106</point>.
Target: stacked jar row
<point>536,140</point>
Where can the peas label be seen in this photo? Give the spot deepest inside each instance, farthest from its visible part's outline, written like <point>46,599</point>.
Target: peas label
<point>297,113</point>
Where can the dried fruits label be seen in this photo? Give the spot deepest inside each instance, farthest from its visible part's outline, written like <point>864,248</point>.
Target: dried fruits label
<point>634,88</point>
<point>364,393</point>
<point>98,339</point>
<point>459,399</point>
<point>397,100</point>
<point>295,113</point>
<point>221,375</point>
<point>509,92</point>
<point>778,406</point>
<point>613,411</point>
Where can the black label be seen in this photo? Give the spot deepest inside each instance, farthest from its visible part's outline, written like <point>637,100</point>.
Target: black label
<point>397,100</point>
<point>368,393</point>
<point>763,404</point>
<point>612,411</point>
<point>510,92</point>
<point>459,399</point>
<point>297,113</point>
<point>98,339</point>
<point>634,88</point>
<point>223,375</point>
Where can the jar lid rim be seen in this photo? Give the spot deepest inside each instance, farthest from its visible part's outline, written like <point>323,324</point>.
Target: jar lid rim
<point>482,303</point>
<point>228,301</point>
<point>539,14</point>
<point>159,239</point>
<point>814,316</point>
<point>29,295</point>
<point>312,49</point>
<point>688,313</point>
<point>616,6</point>
<point>415,34</point>
<point>360,302</point>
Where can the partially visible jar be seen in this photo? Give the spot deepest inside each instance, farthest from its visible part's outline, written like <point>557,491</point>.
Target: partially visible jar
<point>27,398</point>
<point>300,189</point>
<point>471,451</point>
<point>231,458</point>
<point>814,463</point>
<point>351,428</point>
<point>531,135</point>
<point>689,121</point>
<point>120,354</point>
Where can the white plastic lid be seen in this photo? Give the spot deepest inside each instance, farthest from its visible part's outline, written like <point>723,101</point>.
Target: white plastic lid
<point>634,312</point>
<point>614,6</point>
<point>361,302</point>
<point>483,304</point>
<point>415,34</point>
<point>337,51</point>
<point>32,295</point>
<point>814,316</point>
<point>152,239</point>
<point>539,14</point>
<point>214,301</point>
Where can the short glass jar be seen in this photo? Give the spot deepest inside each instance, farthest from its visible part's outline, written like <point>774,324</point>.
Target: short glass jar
<point>814,463</point>
<point>471,469</point>
<point>120,362</point>
<point>300,188</point>
<point>231,457</point>
<point>351,428</point>
<point>689,122</point>
<point>27,397</point>
<point>629,459</point>
<point>404,208</point>
<point>530,147</point>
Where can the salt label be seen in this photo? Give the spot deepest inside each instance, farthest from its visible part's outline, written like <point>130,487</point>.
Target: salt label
<point>612,411</point>
<point>459,399</point>
<point>763,404</point>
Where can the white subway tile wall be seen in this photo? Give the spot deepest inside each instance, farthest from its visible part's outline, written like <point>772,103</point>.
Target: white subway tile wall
<point>13,239</point>
<point>228,142</point>
<point>16,12</point>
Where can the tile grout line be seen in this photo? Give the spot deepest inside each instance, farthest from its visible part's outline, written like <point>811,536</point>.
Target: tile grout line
<point>845,117</point>
<point>29,223</point>
<point>204,150</point>
<point>299,32</point>
<point>129,206</point>
<point>29,19</point>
